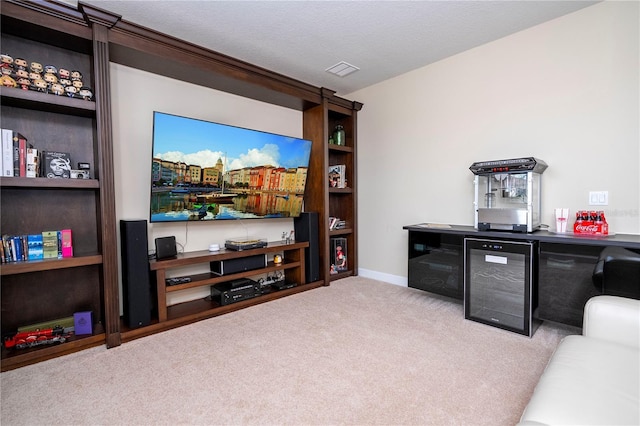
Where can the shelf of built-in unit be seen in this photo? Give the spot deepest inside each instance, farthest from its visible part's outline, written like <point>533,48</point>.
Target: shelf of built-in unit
<point>340,191</point>
<point>340,148</point>
<point>45,183</point>
<point>340,275</point>
<point>339,232</point>
<point>39,101</point>
<point>180,314</point>
<point>49,264</point>
<point>16,358</point>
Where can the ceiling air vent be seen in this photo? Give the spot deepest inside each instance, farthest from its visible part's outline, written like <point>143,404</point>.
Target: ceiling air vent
<point>342,69</point>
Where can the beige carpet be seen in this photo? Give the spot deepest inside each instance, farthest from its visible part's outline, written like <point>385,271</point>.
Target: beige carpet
<point>359,352</point>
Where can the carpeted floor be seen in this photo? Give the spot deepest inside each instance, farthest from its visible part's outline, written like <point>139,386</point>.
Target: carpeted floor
<point>359,352</point>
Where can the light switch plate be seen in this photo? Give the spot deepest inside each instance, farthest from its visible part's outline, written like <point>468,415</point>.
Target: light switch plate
<point>598,198</point>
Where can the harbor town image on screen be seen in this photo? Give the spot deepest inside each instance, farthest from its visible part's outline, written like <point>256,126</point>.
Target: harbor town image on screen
<point>202,170</point>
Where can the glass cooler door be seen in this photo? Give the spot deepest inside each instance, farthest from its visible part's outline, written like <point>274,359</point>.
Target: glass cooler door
<point>498,283</point>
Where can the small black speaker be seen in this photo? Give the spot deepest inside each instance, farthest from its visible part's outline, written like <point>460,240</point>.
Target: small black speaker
<point>306,229</point>
<point>136,285</point>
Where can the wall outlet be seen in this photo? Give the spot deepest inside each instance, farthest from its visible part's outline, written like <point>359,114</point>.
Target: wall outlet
<point>598,198</point>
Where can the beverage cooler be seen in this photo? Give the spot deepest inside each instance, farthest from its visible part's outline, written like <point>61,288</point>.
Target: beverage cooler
<point>499,283</point>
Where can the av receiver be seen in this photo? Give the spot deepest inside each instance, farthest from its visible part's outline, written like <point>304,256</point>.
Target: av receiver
<point>235,291</point>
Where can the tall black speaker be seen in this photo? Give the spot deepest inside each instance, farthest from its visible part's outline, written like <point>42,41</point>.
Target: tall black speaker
<point>136,285</point>
<point>306,229</point>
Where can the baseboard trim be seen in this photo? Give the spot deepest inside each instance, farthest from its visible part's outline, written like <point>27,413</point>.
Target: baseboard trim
<point>381,276</point>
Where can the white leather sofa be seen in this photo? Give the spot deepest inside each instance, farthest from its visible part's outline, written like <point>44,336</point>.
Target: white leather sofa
<point>593,379</point>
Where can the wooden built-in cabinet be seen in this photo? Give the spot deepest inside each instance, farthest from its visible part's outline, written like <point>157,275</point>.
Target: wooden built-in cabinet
<point>319,124</point>
<point>292,268</point>
<point>44,290</point>
<point>90,39</point>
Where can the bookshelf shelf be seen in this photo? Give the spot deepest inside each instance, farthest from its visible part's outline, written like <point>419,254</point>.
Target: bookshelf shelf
<point>44,183</point>
<point>45,102</point>
<point>49,264</point>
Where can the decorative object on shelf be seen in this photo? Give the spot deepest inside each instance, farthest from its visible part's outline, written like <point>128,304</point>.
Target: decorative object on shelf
<point>591,223</point>
<point>338,135</point>
<point>6,63</point>
<point>8,81</point>
<point>30,339</point>
<point>49,79</point>
<point>56,164</point>
<point>338,255</point>
<point>337,176</point>
<point>83,323</point>
<point>277,259</point>
<point>86,93</point>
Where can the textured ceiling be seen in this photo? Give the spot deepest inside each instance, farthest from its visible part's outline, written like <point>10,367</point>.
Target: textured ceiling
<point>301,39</point>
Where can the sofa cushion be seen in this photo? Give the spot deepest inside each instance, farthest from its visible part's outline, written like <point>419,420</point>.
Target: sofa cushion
<point>587,382</point>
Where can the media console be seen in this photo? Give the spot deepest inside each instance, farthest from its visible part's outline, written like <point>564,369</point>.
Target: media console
<point>293,268</point>
<point>564,264</point>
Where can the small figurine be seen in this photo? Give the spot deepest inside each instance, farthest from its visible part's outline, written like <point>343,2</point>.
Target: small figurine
<point>50,69</point>
<point>77,84</point>
<point>65,82</point>
<point>40,85</point>
<point>86,93</point>
<point>71,91</point>
<point>76,75</point>
<point>6,61</point>
<point>22,73</point>
<point>36,67</point>
<point>33,76</point>
<point>24,83</point>
<point>64,73</point>
<point>8,81</point>
<point>50,78</point>
<point>20,63</point>
<point>57,89</point>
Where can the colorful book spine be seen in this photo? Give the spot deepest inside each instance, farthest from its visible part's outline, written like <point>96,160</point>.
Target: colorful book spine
<point>50,244</point>
<point>67,244</point>
<point>35,248</point>
<point>32,162</point>
<point>7,153</point>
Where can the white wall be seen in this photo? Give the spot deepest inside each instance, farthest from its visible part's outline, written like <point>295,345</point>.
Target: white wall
<point>135,95</point>
<point>565,91</point>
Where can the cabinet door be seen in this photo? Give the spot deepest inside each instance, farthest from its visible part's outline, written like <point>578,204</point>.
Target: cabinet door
<point>435,263</point>
<point>564,281</point>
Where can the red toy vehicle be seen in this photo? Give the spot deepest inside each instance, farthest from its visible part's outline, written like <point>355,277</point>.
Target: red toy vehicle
<point>29,339</point>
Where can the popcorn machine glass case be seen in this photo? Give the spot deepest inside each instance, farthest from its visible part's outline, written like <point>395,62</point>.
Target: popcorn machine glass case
<point>507,194</point>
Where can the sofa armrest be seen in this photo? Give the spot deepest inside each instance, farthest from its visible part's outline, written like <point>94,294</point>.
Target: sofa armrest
<point>613,318</point>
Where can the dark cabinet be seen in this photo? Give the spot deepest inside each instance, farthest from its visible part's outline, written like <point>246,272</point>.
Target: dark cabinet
<point>562,271</point>
<point>435,263</point>
<point>564,281</point>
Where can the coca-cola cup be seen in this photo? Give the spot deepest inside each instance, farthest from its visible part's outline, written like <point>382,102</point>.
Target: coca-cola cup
<point>562,215</point>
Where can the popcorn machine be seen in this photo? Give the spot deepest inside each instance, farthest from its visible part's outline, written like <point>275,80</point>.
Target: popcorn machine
<point>507,194</point>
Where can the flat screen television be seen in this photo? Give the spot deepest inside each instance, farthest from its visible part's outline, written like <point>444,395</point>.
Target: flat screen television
<point>206,171</point>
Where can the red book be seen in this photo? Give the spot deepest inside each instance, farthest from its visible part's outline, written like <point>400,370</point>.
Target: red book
<point>20,154</point>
